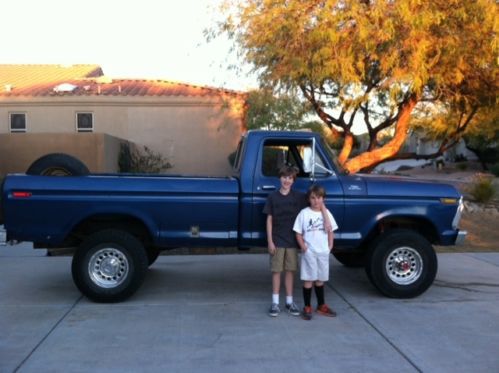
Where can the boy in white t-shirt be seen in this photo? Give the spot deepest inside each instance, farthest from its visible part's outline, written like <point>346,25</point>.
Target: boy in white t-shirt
<point>315,244</point>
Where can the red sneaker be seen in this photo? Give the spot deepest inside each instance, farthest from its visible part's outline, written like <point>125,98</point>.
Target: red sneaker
<point>307,313</point>
<point>325,311</point>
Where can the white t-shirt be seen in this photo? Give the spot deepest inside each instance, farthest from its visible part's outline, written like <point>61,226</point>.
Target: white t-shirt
<point>310,225</point>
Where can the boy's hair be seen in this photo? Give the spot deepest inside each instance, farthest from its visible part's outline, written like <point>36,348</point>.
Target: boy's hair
<point>288,170</point>
<point>316,190</point>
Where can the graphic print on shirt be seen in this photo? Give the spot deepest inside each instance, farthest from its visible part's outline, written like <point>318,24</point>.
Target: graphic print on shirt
<point>315,224</point>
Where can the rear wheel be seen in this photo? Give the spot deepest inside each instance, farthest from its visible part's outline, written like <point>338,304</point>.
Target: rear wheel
<point>401,264</point>
<point>109,266</point>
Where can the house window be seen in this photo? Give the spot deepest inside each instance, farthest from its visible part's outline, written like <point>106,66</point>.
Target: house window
<point>84,122</point>
<point>17,122</point>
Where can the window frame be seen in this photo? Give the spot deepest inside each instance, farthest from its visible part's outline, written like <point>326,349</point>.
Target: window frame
<point>15,130</point>
<point>78,129</point>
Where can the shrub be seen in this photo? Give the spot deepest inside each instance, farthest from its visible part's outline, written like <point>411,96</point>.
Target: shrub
<point>482,190</point>
<point>462,166</point>
<point>132,160</point>
<point>495,169</point>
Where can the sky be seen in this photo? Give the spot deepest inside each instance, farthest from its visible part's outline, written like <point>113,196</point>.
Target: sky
<point>150,39</point>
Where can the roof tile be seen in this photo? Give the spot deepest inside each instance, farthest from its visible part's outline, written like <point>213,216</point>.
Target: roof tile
<point>40,81</point>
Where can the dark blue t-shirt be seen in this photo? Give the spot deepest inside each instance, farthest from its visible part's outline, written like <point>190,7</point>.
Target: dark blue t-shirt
<point>284,210</point>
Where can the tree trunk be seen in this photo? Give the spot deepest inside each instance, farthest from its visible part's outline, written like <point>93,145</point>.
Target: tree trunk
<point>347,148</point>
<point>391,148</point>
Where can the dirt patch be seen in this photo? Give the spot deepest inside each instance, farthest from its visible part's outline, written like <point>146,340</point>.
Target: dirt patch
<point>483,234</point>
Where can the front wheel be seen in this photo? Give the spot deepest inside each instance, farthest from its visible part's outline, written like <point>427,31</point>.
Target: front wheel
<point>401,264</point>
<point>109,266</point>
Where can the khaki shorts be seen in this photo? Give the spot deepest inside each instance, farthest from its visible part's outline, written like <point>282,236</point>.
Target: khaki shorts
<point>285,259</point>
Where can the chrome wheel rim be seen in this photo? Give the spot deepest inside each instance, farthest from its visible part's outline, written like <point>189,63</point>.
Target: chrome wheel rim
<point>56,171</point>
<point>108,267</point>
<point>404,265</point>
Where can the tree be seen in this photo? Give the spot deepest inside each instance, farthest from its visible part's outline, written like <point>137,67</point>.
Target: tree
<point>271,112</point>
<point>374,62</point>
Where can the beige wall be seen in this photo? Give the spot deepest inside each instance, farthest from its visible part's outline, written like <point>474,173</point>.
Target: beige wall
<point>196,134</point>
<point>98,151</point>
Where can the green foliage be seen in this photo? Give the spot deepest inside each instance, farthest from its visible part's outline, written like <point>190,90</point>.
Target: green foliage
<point>371,61</point>
<point>462,166</point>
<point>272,112</point>
<point>133,160</point>
<point>482,189</point>
<point>486,147</point>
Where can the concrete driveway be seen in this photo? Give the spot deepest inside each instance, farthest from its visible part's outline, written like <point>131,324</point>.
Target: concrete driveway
<point>208,314</point>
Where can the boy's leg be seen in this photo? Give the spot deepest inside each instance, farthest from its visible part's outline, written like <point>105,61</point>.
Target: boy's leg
<point>276,284</point>
<point>319,292</point>
<point>290,304</point>
<point>276,266</point>
<point>307,293</point>
<point>290,267</point>
<point>308,273</point>
<point>323,275</point>
<point>307,297</point>
<point>288,282</point>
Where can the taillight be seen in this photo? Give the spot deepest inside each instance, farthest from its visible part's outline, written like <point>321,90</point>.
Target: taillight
<point>21,194</point>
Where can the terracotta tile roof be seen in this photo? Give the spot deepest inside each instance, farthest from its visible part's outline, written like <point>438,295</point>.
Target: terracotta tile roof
<point>21,76</point>
<point>104,86</point>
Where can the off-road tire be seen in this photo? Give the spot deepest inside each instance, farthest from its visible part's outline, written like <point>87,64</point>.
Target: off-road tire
<point>109,266</point>
<point>401,263</point>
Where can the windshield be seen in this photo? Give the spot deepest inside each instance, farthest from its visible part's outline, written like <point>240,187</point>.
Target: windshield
<point>333,156</point>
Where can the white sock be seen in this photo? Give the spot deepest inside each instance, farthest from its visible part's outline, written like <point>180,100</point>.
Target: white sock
<point>275,298</point>
<point>289,299</point>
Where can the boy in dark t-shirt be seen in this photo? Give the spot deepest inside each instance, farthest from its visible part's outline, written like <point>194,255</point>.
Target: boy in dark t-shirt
<point>282,207</point>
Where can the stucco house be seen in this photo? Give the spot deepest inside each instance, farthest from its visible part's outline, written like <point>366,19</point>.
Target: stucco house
<point>80,110</point>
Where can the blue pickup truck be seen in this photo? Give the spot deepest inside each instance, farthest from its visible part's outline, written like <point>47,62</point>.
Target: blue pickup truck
<point>120,223</point>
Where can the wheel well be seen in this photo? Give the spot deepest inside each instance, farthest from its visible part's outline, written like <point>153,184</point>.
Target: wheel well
<point>419,225</point>
<point>96,223</point>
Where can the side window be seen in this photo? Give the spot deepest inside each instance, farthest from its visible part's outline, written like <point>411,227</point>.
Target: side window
<point>84,122</point>
<point>297,154</point>
<point>17,122</point>
<point>275,156</point>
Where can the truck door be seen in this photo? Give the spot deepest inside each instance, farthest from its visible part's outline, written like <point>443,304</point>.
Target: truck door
<point>272,155</point>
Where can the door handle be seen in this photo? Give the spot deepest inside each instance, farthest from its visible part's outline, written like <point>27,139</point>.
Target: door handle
<point>268,187</point>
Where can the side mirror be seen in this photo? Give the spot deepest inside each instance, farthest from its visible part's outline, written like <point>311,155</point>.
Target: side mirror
<point>308,159</point>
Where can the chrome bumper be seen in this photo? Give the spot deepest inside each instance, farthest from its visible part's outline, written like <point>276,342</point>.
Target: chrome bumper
<point>461,236</point>
<point>3,236</point>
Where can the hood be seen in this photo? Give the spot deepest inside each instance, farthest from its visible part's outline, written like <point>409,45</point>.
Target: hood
<point>396,186</point>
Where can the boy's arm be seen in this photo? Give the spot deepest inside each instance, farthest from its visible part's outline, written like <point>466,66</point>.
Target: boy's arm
<point>328,227</point>
<point>330,239</point>
<point>301,242</point>
<point>270,242</point>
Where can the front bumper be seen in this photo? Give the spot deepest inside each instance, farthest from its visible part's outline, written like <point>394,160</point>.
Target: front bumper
<point>461,236</point>
<point>3,236</point>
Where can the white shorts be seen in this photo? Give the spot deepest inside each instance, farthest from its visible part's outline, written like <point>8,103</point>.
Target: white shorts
<point>314,267</point>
